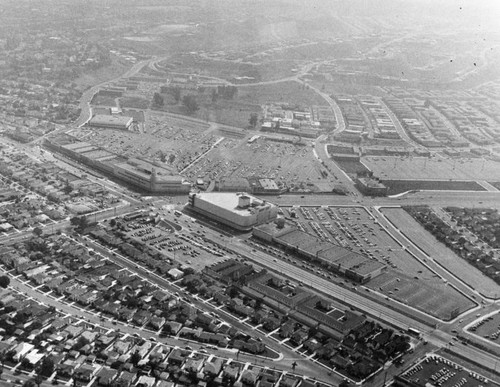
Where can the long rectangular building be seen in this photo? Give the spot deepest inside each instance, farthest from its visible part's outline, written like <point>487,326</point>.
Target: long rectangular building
<point>112,122</point>
<point>344,261</point>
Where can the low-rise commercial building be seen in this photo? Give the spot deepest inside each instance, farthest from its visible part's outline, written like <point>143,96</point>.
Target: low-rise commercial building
<point>112,122</point>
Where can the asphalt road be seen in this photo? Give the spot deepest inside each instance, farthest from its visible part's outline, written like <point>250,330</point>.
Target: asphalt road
<point>304,366</point>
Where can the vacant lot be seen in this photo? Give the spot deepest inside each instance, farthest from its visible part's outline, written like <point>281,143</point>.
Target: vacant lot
<point>243,72</point>
<point>399,186</point>
<point>289,92</point>
<point>440,253</point>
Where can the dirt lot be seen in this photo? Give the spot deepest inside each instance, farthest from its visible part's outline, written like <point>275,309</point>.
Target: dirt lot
<point>440,253</point>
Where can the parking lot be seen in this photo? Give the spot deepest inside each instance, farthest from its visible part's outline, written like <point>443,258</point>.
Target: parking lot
<point>190,246</point>
<point>487,327</point>
<point>439,371</point>
<point>406,279</point>
<point>350,227</point>
<point>292,165</point>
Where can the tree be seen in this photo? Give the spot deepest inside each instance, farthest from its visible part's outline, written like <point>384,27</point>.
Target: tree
<point>254,118</point>
<point>135,358</point>
<point>80,343</point>
<point>233,292</point>
<point>38,380</point>
<point>67,189</point>
<point>80,222</point>
<point>277,126</point>
<point>112,222</point>
<point>190,103</point>
<point>176,93</point>
<point>4,281</point>
<point>25,363</point>
<point>313,331</point>
<point>158,100</point>
<point>38,231</point>
<point>344,383</point>
<point>215,96</point>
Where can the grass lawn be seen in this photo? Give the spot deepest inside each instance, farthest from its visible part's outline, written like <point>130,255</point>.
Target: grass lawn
<point>440,253</point>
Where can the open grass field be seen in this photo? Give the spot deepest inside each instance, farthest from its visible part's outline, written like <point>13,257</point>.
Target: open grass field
<point>440,253</point>
<point>495,184</point>
<point>286,92</point>
<point>435,168</point>
<point>399,186</point>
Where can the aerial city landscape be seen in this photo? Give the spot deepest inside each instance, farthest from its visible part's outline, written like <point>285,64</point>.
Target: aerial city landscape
<point>269,193</point>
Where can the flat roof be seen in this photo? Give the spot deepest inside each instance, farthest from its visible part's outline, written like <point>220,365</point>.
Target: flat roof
<point>102,119</point>
<point>98,153</point>
<point>230,201</point>
<point>372,183</point>
<point>144,170</point>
